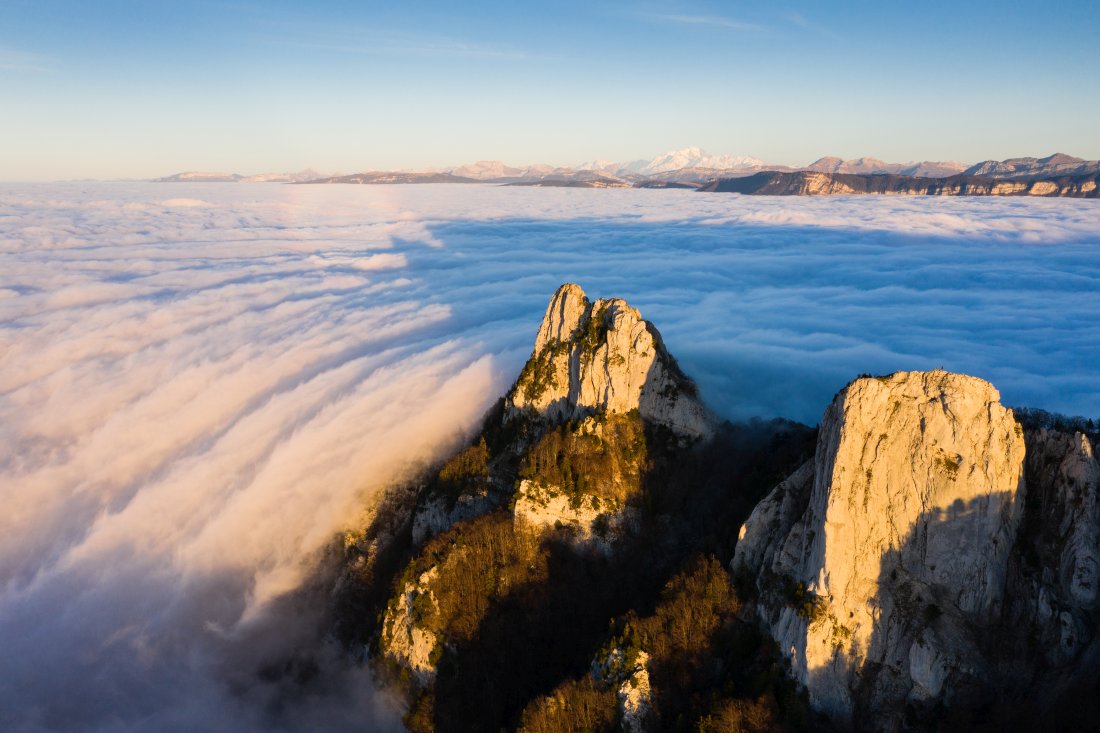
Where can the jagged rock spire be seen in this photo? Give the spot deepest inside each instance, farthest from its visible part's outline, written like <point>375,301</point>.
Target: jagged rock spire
<point>603,356</point>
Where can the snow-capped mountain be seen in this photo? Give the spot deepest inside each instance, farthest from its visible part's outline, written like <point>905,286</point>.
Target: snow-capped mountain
<point>603,166</point>
<point>674,160</point>
<point>205,177</point>
<point>485,170</point>
<point>697,158</point>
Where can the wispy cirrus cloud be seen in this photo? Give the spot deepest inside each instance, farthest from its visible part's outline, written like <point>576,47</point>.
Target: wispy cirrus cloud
<point>801,21</point>
<point>712,21</point>
<point>797,18</point>
<point>390,45</point>
<point>382,42</point>
<point>14,60</point>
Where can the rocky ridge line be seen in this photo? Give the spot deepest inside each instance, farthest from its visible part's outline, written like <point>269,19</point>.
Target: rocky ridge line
<point>808,183</point>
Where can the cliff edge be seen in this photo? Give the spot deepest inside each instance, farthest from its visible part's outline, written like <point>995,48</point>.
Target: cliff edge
<point>912,511</point>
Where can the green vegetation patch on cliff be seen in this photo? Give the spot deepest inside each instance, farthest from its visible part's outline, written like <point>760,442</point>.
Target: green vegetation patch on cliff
<point>603,456</point>
<point>594,333</point>
<point>465,474</point>
<point>539,373</point>
<point>480,562</point>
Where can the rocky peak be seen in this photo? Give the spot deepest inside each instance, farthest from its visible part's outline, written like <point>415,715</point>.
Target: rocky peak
<point>1061,159</point>
<point>602,356</point>
<point>872,567</point>
<point>568,309</point>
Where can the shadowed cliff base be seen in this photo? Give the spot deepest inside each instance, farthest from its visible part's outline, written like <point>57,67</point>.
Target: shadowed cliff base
<point>550,628</point>
<point>938,667</point>
<point>931,664</point>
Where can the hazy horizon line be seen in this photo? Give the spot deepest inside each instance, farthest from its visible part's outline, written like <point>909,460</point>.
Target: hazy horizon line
<point>325,172</point>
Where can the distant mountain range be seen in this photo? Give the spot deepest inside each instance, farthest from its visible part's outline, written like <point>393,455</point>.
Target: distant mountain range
<point>1033,168</point>
<point>814,183</point>
<point>675,160</point>
<point>874,166</point>
<point>394,177</point>
<point>690,168</point>
<point>199,177</point>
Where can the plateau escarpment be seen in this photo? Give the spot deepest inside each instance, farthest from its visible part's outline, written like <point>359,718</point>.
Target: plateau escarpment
<point>1051,166</point>
<point>813,183</point>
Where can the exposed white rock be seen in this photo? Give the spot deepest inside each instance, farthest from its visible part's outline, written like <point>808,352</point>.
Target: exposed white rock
<point>913,510</point>
<point>631,676</point>
<point>435,516</point>
<point>595,522</point>
<point>403,639</point>
<point>603,356</point>
<point>635,697</point>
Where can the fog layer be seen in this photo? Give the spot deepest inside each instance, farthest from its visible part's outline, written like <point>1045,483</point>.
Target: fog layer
<point>200,384</point>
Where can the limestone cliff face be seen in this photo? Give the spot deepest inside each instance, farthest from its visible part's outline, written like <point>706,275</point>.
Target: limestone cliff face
<point>873,565</point>
<point>593,522</point>
<point>404,639</point>
<point>434,515</point>
<point>630,679</point>
<point>603,356</point>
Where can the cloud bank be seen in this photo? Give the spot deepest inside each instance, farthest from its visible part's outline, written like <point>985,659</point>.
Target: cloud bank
<point>200,383</point>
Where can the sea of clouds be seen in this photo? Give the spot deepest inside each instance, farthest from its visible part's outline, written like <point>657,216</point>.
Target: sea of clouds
<point>200,384</point>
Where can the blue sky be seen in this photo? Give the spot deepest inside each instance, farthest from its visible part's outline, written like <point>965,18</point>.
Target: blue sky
<point>120,88</point>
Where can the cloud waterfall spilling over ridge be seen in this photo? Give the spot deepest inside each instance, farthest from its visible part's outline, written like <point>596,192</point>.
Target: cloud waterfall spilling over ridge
<point>199,384</point>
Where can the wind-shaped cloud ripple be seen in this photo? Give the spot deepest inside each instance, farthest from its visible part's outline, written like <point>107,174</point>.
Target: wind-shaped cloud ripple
<point>191,417</point>
<point>200,383</point>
